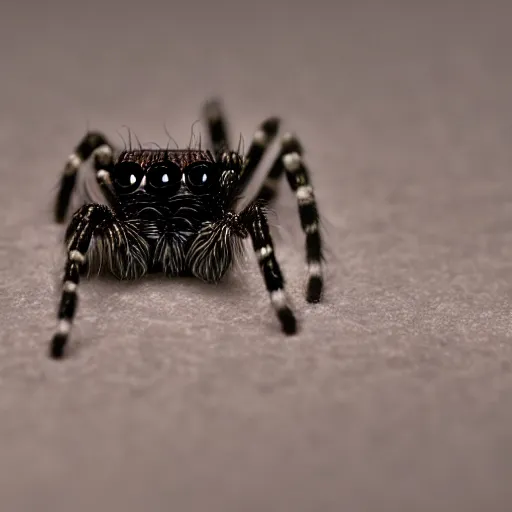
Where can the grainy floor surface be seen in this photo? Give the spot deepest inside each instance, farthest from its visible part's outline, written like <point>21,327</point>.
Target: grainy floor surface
<point>397,394</point>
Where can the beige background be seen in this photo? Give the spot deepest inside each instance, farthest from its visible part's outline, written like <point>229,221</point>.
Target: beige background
<point>185,397</point>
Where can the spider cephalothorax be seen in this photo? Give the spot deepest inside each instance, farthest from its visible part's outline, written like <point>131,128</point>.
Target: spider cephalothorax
<point>174,211</point>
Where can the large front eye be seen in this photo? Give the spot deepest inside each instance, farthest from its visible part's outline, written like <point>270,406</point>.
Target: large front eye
<point>201,177</point>
<point>127,177</point>
<point>163,178</point>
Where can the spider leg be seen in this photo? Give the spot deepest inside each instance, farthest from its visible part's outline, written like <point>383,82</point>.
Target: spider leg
<point>291,162</point>
<point>261,140</point>
<point>93,143</point>
<point>84,223</point>
<point>268,189</point>
<point>217,244</point>
<point>254,220</point>
<point>105,183</point>
<point>217,129</point>
<point>93,220</point>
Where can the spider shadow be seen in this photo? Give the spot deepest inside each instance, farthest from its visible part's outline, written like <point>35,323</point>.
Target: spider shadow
<point>232,284</point>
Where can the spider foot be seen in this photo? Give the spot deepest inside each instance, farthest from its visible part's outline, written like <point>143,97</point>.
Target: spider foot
<point>314,291</point>
<point>315,282</point>
<point>288,320</point>
<point>57,346</point>
<point>283,311</point>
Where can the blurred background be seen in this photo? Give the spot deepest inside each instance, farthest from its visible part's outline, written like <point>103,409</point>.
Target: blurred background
<point>179,396</point>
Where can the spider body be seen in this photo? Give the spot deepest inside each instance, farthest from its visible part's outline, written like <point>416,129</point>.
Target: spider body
<point>175,212</point>
<point>167,200</point>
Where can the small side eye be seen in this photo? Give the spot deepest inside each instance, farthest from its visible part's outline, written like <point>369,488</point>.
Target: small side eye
<point>164,178</point>
<point>202,176</point>
<point>127,176</point>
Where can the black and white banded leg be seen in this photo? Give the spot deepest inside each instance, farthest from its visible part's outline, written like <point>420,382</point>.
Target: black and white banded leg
<point>218,243</point>
<point>268,190</point>
<point>299,181</point>
<point>216,122</point>
<point>254,221</point>
<point>105,183</point>
<point>81,230</point>
<point>262,138</point>
<point>93,143</point>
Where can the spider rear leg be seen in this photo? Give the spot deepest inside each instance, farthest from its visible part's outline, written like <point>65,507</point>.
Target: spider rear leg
<point>298,178</point>
<point>268,189</point>
<point>93,143</point>
<point>262,138</point>
<point>216,122</point>
<point>290,161</point>
<point>93,220</point>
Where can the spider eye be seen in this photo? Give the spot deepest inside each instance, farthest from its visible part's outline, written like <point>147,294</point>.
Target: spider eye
<point>127,176</point>
<point>164,177</point>
<point>202,176</point>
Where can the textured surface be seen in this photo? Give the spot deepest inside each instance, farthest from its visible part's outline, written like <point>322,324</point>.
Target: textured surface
<point>178,396</point>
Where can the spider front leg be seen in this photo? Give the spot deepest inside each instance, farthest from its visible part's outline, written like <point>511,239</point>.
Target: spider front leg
<point>254,220</point>
<point>125,250</point>
<point>92,144</point>
<point>214,248</point>
<point>81,229</point>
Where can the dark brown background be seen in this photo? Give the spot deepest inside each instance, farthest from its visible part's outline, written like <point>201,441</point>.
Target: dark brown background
<point>178,396</point>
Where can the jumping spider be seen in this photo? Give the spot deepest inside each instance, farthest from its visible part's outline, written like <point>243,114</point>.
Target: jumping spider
<point>174,211</point>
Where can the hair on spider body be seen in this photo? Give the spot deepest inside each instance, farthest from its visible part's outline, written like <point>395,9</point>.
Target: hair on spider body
<point>175,212</point>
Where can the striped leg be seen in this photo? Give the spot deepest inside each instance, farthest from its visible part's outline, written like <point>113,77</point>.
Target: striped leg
<point>298,178</point>
<point>217,129</point>
<point>254,220</point>
<point>262,138</point>
<point>81,230</point>
<point>268,190</point>
<point>103,165</point>
<point>93,142</point>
